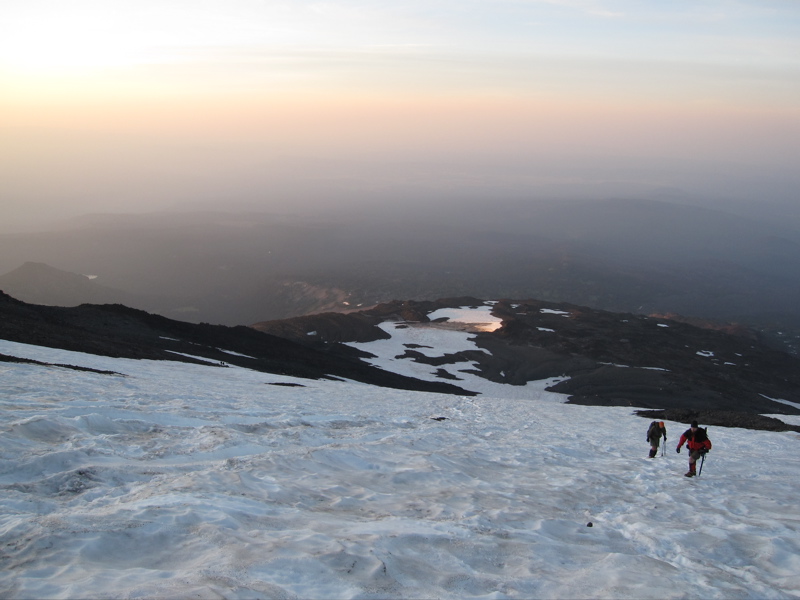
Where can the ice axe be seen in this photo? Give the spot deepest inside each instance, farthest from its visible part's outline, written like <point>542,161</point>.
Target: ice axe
<point>703,458</point>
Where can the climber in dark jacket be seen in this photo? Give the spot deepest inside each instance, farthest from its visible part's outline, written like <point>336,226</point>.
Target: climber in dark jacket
<point>698,444</point>
<point>656,430</point>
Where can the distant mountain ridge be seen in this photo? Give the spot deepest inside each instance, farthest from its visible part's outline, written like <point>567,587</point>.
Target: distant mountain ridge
<point>39,283</point>
<point>618,255</point>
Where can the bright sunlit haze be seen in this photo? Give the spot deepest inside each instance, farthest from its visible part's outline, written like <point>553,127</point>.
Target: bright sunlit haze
<point>130,106</point>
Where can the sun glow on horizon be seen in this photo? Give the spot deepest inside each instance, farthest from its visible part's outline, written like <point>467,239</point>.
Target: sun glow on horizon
<point>52,47</point>
<point>63,41</point>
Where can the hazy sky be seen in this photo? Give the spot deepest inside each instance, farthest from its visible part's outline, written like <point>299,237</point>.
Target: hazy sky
<point>134,105</point>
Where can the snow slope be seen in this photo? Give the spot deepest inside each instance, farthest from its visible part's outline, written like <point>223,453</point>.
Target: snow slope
<point>436,341</point>
<point>171,480</point>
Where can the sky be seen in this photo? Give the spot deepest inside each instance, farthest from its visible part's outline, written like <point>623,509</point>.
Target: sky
<point>118,105</point>
<point>158,479</point>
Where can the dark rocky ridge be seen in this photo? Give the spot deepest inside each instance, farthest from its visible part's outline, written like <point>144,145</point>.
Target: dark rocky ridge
<point>611,359</point>
<point>718,418</point>
<point>118,331</point>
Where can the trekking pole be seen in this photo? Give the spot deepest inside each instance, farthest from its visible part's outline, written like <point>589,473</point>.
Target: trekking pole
<point>702,461</point>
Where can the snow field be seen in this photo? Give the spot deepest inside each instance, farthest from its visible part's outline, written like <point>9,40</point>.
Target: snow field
<point>433,342</point>
<point>180,480</point>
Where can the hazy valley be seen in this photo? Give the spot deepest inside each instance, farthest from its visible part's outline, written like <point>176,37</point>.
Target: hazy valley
<point>240,268</point>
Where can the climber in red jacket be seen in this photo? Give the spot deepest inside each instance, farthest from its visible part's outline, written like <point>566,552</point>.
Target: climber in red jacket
<point>698,444</point>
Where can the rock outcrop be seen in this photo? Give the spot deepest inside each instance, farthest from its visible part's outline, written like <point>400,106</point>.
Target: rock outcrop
<point>605,358</point>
